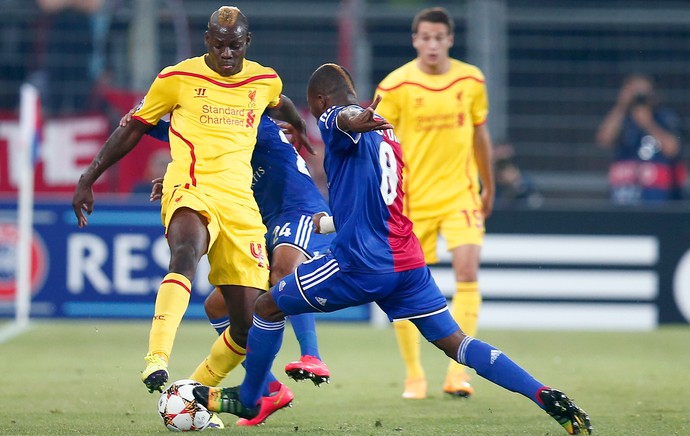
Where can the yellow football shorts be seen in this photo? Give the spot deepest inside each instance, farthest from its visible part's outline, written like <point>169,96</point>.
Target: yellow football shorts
<point>461,226</point>
<point>237,248</point>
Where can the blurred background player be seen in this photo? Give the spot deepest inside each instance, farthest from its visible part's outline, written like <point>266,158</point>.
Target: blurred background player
<point>439,108</point>
<point>375,257</point>
<point>287,198</point>
<point>208,206</point>
<point>645,139</point>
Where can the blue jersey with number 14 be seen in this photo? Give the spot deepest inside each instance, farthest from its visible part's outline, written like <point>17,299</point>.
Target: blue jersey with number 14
<point>364,173</point>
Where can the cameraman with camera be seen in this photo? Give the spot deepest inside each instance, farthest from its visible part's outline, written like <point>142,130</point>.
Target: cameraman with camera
<point>644,136</point>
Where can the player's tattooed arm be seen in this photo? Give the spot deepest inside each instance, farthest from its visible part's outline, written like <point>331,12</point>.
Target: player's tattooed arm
<point>121,142</point>
<point>354,119</point>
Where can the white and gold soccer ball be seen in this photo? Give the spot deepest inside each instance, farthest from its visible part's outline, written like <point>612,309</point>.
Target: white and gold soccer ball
<point>180,411</point>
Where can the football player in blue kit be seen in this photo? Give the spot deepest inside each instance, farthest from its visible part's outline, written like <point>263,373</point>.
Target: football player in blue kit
<point>374,257</point>
<point>287,198</point>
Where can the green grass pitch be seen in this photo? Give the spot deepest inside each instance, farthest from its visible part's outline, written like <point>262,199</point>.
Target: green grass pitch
<point>82,378</point>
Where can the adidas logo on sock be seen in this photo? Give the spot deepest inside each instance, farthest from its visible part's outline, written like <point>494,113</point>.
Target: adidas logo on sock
<point>494,355</point>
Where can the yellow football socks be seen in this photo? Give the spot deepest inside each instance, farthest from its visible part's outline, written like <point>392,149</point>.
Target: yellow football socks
<point>225,356</point>
<point>465,311</point>
<point>171,304</point>
<point>408,343</point>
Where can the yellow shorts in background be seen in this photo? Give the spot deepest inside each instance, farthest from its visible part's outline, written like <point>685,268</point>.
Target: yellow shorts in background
<point>462,226</point>
<point>237,247</point>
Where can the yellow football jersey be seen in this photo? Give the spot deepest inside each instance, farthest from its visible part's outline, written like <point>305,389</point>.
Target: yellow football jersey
<point>213,123</point>
<point>434,117</point>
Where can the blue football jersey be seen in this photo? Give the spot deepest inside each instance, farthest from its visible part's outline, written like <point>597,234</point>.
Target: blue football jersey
<point>364,172</point>
<point>281,181</point>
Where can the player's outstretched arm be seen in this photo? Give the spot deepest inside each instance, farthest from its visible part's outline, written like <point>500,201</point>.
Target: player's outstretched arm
<point>287,111</point>
<point>121,142</point>
<point>352,119</point>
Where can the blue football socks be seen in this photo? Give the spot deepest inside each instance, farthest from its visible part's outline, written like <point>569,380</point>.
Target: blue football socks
<point>264,342</point>
<point>220,324</point>
<point>304,326</point>
<point>495,366</point>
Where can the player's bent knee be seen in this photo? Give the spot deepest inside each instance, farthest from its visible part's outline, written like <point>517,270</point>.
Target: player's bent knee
<point>214,305</point>
<point>267,309</point>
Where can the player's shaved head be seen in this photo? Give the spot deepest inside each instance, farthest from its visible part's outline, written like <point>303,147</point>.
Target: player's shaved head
<point>330,85</point>
<point>228,17</point>
<point>332,80</point>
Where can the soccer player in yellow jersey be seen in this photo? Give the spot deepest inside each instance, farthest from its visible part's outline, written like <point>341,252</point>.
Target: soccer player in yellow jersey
<point>439,108</point>
<point>216,101</point>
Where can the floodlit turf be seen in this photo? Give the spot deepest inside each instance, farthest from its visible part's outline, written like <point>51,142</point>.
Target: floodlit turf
<point>82,378</point>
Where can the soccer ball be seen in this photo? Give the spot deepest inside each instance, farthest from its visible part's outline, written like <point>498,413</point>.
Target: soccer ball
<point>180,411</point>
